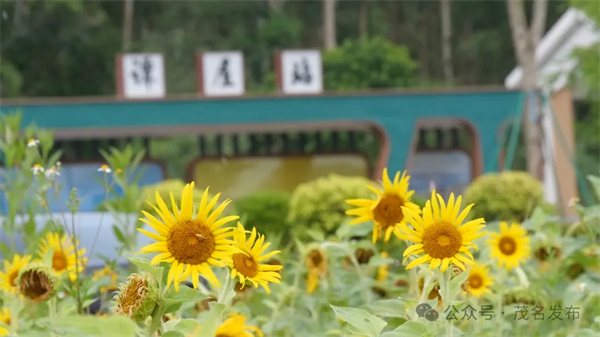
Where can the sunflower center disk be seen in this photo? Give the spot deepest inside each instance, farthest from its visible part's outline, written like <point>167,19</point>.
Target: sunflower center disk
<point>475,281</point>
<point>191,242</point>
<point>388,211</point>
<point>507,246</point>
<point>441,240</point>
<point>59,261</point>
<point>12,277</point>
<point>245,265</point>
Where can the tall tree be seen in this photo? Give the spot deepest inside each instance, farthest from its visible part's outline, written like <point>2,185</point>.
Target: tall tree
<point>446,16</point>
<point>127,25</point>
<point>525,39</point>
<point>329,34</point>
<point>363,19</point>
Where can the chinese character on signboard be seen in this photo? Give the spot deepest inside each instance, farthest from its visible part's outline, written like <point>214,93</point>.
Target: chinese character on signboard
<point>221,73</point>
<point>300,72</point>
<point>141,76</point>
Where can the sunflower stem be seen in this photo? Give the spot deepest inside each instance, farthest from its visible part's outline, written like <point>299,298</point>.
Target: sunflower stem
<point>522,277</point>
<point>51,314</point>
<point>359,271</point>
<point>426,283</point>
<point>500,316</point>
<point>414,282</point>
<point>445,292</point>
<point>225,289</point>
<point>156,322</point>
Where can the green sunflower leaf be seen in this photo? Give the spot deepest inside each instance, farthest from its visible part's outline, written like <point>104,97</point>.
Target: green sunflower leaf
<point>187,325</point>
<point>212,321</point>
<point>456,284</point>
<point>409,329</point>
<point>361,321</point>
<point>98,326</point>
<point>185,294</point>
<point>173,333</point>
<point>144,264</point>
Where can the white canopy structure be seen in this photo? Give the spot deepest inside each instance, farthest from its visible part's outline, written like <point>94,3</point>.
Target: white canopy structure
<point>554,52</point>
<point>555,66</point>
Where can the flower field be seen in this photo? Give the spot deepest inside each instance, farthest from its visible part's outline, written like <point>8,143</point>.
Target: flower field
<point>350,257</point>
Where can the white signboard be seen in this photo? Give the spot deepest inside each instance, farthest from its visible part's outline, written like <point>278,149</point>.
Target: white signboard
<point>301,72</point>
<point>143,76</point>
<point>223,73</point>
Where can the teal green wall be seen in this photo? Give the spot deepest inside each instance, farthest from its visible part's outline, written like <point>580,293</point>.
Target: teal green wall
<point>396,114</point>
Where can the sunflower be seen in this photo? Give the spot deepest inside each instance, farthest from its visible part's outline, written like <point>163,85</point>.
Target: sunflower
<point>438,234</point>
<point>235,326</point>
<point>63,258</point>
<point>510,246</point>
<point>138,297</point>
<point>246,263</point>
<point>191,244</point>
<point>384,270</point>
<point>4,318</point>
<point>385,211</point>
<point>11,272</point>
<point>37,282</point>
<point>479,281</point>
<point>316,262</point>
<point>113,277</point>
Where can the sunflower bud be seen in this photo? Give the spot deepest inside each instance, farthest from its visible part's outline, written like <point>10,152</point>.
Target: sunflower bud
<point>37,282</point>
<point>138,297</point>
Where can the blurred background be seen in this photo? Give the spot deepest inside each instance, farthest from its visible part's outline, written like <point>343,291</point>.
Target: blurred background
<point>66,51</point>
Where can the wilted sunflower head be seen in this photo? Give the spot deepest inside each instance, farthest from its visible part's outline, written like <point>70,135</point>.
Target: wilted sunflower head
<point>547,252</point>
<point>37,282</point>
<point>363,256</point>
<point>434,293</point>
<point>384,270</point>
<point>316,260</point>
<point>138,297</point>
<point>521,295</point>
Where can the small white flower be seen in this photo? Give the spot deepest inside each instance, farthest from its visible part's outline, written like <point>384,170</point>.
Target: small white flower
<point>104,168</point>
<point>33,142</point>
<point>52,172</point>
<point>37,168</point>
<point>581,286</point>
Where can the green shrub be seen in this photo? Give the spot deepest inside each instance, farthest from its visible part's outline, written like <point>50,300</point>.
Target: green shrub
<point>507,196</point>
<point>321,203</point>
<point>164,188</point>
<point>369,63</point>
<point>267,211</point>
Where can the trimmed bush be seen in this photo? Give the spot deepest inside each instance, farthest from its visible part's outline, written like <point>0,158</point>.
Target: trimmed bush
<point>267,211</point>
<point>506,196</point>
<point>321,203</point>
